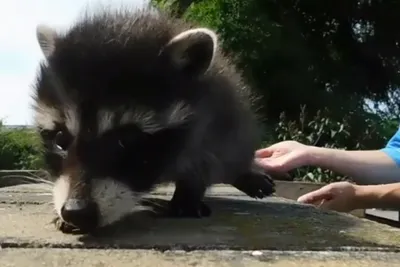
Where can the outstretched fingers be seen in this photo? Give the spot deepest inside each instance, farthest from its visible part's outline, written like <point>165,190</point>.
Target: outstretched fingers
<point>322,195</point>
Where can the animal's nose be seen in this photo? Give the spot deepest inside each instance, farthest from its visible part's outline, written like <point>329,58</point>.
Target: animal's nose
<point>80,213</point>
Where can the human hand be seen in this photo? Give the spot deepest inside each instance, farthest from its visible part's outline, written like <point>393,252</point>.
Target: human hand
<point>283,156</point>
<point>339,196</point>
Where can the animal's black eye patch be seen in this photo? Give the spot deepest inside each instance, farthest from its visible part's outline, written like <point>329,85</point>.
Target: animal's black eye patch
<point>127,150</point>
<point>123,137</point>
<point>57,139</point>
<point>114,150</point>
<point>56,143</point>
<point>62,140</point>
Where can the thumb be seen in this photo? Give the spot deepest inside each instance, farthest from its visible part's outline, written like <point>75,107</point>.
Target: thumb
<point>264,152</point>
<point>316,196</point>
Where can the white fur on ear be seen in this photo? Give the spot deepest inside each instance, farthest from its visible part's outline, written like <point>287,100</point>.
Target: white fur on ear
<point>193,50</point>
<point>46,38</point>
<point>196,33</point>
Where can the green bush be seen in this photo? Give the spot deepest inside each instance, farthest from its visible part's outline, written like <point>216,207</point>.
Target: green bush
<point>20,149</point>
<point>355,131</point>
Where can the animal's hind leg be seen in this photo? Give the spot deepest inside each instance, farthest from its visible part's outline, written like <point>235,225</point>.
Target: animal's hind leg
<point>256,183</point>
<point>187,201</point>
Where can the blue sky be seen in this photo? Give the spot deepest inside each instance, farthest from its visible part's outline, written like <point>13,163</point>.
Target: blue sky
<point>20,53</point>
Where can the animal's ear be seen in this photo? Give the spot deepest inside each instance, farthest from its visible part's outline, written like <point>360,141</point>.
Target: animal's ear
<point>192,51</point>
<point>46,38</point>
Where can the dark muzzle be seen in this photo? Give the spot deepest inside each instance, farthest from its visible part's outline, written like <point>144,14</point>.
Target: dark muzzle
<point>82,214</point>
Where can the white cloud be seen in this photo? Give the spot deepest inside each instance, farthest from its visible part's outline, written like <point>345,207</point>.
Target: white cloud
<point>19,52</point>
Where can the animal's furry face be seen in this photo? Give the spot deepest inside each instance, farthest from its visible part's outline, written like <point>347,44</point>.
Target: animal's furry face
<point>114,101</point>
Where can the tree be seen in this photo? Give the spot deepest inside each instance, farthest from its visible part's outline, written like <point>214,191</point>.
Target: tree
<point>319,53</point>
<point>176,7</point>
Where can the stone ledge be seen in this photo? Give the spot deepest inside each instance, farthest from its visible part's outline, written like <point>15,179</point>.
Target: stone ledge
<point>286,189</point>
<point>149,258</point>
<point>238,222</point>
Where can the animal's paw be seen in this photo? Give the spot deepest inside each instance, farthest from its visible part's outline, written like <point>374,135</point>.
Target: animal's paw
<point>64,227</point>
<point>256,184</point>
<point>188,210</point>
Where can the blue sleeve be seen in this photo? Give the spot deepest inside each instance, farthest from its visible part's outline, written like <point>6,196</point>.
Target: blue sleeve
<point>392,148</point>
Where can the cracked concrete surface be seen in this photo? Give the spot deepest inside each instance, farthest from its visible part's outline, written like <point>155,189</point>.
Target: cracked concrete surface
<point>238,227</point>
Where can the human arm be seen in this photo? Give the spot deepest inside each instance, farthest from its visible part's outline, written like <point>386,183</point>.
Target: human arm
<point>385,196</point>
<point>364,167</point>
<point>345,196</point>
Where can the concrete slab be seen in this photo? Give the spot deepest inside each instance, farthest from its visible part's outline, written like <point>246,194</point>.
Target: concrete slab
<point>151,258</point>
<point>238,222</point>
<point>286,189</point>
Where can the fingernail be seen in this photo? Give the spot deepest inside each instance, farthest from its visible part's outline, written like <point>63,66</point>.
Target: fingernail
<point>300,200</point>
<point>304,199</point>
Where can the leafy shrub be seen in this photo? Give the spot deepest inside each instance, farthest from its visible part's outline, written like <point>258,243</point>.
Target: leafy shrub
<point>20,149</point>
<point>355,131</point>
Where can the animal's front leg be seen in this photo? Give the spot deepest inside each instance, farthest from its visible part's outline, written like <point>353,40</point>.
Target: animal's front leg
<point>256,183</point>
<point>187,201</point>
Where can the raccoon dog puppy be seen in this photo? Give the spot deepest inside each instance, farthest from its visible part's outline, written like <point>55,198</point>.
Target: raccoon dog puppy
<point>129,99</point>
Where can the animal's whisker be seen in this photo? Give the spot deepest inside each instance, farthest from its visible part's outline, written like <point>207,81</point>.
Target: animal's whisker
<point>29,178</point>
<point>152,202</point>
